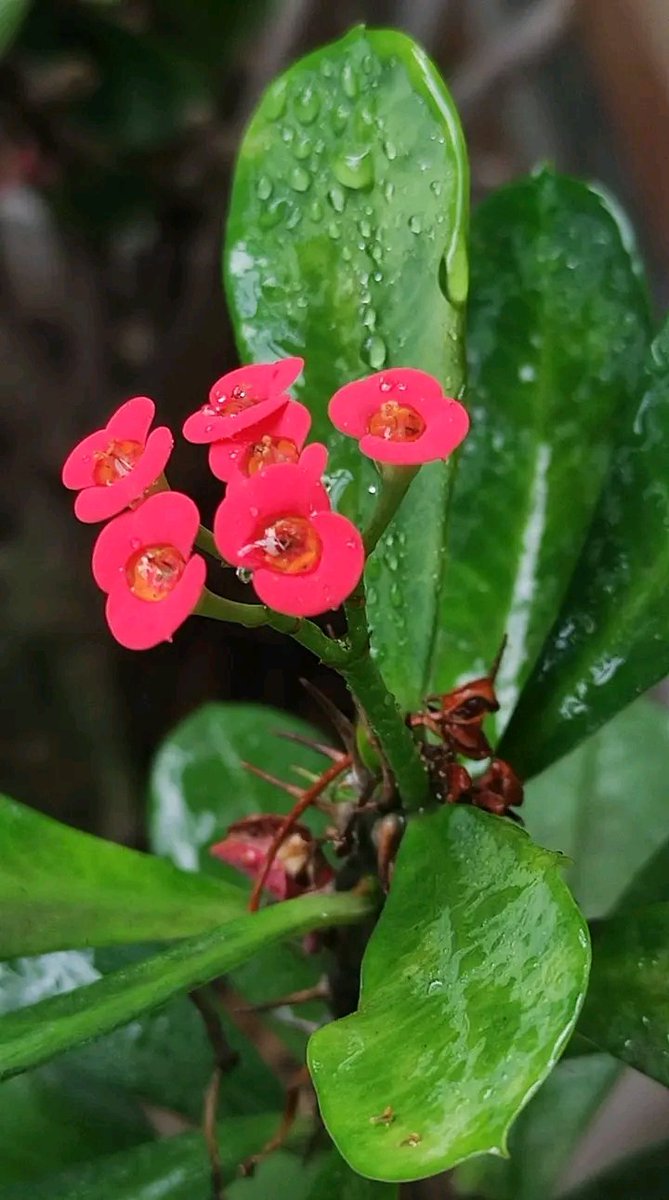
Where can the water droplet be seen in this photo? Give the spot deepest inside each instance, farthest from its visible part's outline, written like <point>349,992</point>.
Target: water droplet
<point>275,101</point>
<point>302,148</point>
<point>436,985</point>
<point>326,69</point>
<point>349,81</point>
<point>316,210</point>
<point>254,512</point>
<point>367,64</point>
<point>340,118</point>
<point>208,428</point>
<point>293,219</point>
<point>244,575</point>
<point>287,134</point>
<point>527,373</point>
<point>365,228</point>
<point>264,187</point>
<point>272,214</point>
<point>372,489</point>
<point>390,150</point>
<point>307,106</point>
<point>299,179</point>
<point>355,170</point>
<point>376,252</point>
<point>337,198</point>
<point>334,231</point>
<point>415,224</point>
<point>389,191</point>
<point>368,318</point>
<point>454,272</point>
<point>436,187</point>
<point>374,352</point>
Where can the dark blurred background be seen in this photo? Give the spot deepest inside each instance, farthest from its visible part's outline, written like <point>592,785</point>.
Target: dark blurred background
<point>119,122</point>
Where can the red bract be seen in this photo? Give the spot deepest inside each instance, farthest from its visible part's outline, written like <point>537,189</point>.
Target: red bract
<point>277,439</point>
<point>299,866</point>
<point>400,416</point>
<point>143,561</point>
<point>115,466</point>
<point>305,559</point>
<point>241,399</point>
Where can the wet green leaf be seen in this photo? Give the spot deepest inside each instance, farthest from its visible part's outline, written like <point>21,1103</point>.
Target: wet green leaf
<point>611,640</point>
<point>471,985</point>
<point>346,244</point>
<point>605,805</point>
<point>545,1135</point>
<point>60,888</point>
<point>174,1168</point>
<point>37,1033</point>
<point>627,1008</point>
<point>12,15</point>
<point>558,334</point>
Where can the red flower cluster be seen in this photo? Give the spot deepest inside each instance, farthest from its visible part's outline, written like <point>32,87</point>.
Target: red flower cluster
<point>276,519</point>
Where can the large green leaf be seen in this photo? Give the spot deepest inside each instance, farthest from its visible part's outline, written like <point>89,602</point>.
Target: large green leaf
<point>558,334</point>
<point>163,1057</point>
<point>652,882</point>
<point>175,1168</point>
<point>52,1118</point>
<point>346,244</point>
<point>35,1034</point>
<point>605,805</point>
<point>471,985</point>
<point>199,785</point>
<point>60,888</point>
<point>12,16</point>
<point>336,1181</point>
<point>543,1138</point>
<point>627,1007</point>
<point>611,640</point>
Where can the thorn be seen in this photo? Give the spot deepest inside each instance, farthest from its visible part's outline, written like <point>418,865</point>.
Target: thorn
<point>497,660</point>
<point>291,788</point>
<point>301,740</point>
<point>341,723</point>
<point>320,991</point>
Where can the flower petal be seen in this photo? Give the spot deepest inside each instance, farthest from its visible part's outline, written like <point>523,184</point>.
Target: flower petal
<point>78,466</point>
<point>445,429</point>
<point>139,624</point>
<point>132,420</point>
<point>351,407</point>
<point>99,503</point>
<point>166,518</point>
<point>203,427</point>
<point>226,458</point>
<point>329,584</point>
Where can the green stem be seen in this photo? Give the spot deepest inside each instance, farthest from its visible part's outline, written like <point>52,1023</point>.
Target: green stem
<point>252,616</point>
<point>205,541</point>
<point>387,724</point>
<point>395,483</point>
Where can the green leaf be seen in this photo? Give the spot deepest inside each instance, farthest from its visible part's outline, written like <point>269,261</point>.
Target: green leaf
<point>605,805</point>
<point>12,16</point>
<point>471,985</point>
<point>611,640</point>
<point>642,1177</point>
<point>543,1138</point>
<point>52,1118</point>
<point>336,1181</point>
<point>199,786</point>
<point>627,1008</point>
<point>558,335</point>
<point>652,882</point>
<point>60,888</point>
<point>37,1033</point>
<point>346,244</point>
<point>134,1057</point>
<point>175,1168</point>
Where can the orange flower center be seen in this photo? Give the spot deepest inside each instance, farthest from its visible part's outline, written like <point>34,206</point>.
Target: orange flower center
<point>290,545</point>
<point>240,398</point>
<point>116,461</point>
<point>154,571</point>
<point>396,422</point>
<point>268,450</point>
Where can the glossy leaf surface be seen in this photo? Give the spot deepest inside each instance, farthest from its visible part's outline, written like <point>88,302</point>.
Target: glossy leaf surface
<point>543,1138</point>
<point>35,1034</point>
<point>471,985</point>
<point>61,888</point>
<point>627,1008</point>
<point>611,640</point>
<point>199,786</point>
<point>346,245</point>
<point>605,805</point>
<point>557,339</point>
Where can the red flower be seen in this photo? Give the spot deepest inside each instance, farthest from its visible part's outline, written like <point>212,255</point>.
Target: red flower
<point>117,465</point>
<point>299,866</point>
<point>305,559</point>
<point>241,399</point>
<point>401,416</point>
<point>276,439</point>
<point>143,561</point>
